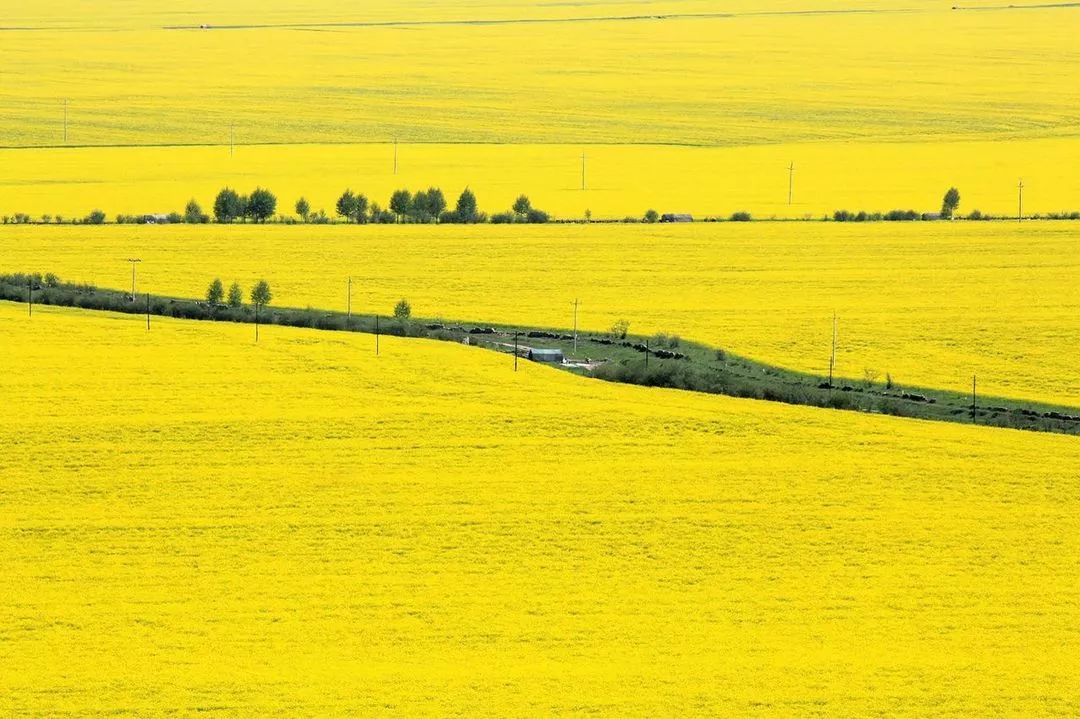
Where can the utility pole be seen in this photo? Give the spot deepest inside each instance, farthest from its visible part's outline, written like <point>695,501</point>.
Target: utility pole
<point>515,350</point>
<point>1020,202</point>
<point>790,181</point>
<point>575,303</point>
<point>65,120</point>
<point>972,398</point>
<point>583,170</point>
<point>134,261</point>
<point>832,356</point>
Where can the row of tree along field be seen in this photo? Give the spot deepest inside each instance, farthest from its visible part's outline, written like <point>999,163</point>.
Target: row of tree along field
<point>430,207</point>
<point>421,207</point>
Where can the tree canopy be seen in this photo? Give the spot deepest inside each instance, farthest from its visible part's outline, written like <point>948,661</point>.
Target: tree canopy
<point>215,293</point>
<point>227,205</point>
<point>236,295</point>
<point>260,294</point>
<point>951,203</point>
<point>261,205</point>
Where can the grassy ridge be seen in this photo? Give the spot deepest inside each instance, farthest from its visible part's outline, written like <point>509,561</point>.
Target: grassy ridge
<point>659,361</point>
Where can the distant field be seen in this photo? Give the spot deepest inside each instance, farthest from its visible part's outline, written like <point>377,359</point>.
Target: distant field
<point>193,523</point>
<point>928,303</point>
<point>681,105</point>
<point>692,71</point>
<point>620,180</point>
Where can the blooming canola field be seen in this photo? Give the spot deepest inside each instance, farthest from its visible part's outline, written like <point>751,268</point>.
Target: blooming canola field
<point>685,105</point>
<point>196,523</point>
<point>930,304</point>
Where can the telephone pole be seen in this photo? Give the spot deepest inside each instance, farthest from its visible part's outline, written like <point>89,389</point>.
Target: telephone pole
<point>973,398</point>
<point>1020,202</point>
<point>832,356</point>
<point>575,303</point>
<point>790,182</point>
<point>134,261</point>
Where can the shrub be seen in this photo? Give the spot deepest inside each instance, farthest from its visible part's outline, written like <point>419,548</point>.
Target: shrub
<point>652,216</point>
<point>740,217</point>
<point>620,328</point>
<point>403,310</point>
<point>536,217</point>
<point>502,218</point>
<point>901,215</point>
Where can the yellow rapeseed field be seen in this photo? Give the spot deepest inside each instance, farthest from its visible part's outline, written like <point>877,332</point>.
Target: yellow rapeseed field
<point>882,105</point>
<point>687,72</point>
<point>195,524</point>
<point>620,181</point>
<point>928,304</point>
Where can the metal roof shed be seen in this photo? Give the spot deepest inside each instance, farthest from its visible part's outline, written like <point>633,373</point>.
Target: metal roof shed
<point>553,356</point>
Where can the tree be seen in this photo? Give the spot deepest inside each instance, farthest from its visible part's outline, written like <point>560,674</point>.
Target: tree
<point>522,205</point>
<point>236,295</point>
<point>215,293</point>
<point>403,310</point>
<point>260,297</point>
<point>652,216</point>
<point>97,217</point>
<point>227,206</point>
<point>360,210</point>
<point>436,202</point>
<point>420,208</point>
<point>346,205</point>
<point>260,294</point>
<point>261,205</point>
<point>380,216</point>
<point>466,209</point>
<point>303,209</point>
<point>400,202</point>
<point>193,214</point>
<point>950,204</point>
